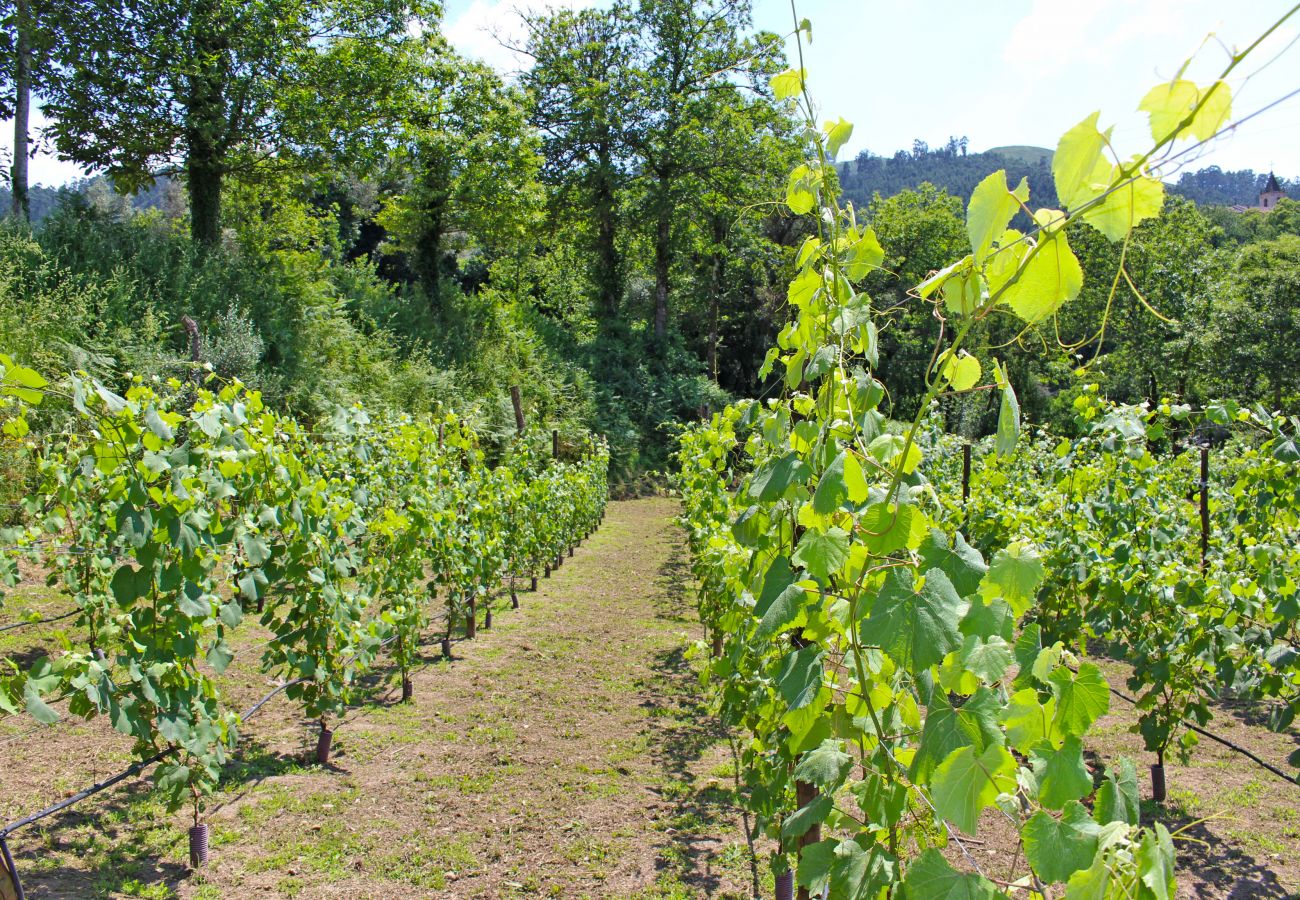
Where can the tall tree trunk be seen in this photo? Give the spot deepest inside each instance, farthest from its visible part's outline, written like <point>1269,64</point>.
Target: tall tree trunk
<point>609,281</point>
<point>22,111</point>
<point>427,255</point>
<point>203,182</point>
<point>663,250</point>
<point>432,192</point>
<point>205,124</point>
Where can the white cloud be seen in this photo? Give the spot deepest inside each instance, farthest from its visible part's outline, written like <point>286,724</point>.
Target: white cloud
<point>487,30</point>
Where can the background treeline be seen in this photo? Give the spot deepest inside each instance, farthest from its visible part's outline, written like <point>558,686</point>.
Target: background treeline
<point>351,211</point>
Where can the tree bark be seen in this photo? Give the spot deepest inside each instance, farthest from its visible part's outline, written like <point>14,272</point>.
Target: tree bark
<point>609,280</point>
<point>663,256</point>
<point>205,123</point>
<point>22,111</point>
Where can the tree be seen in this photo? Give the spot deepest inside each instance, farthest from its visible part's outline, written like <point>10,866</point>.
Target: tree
<point>1251,329</point>
<point>472,164</point>
<point>919,231</point>
<point>584,100</point>
<point>218,88</point>
<point>696,62</point>
<point>34,33</point>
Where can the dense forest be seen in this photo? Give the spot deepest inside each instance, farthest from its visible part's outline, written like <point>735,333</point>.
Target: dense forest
<point>602,231</point>
<point>956,170</point>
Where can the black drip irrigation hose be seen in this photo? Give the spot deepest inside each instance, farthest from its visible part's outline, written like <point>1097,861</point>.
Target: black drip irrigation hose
<point>18,625</point>
<point>1236,748</point>
<point>131,771</point>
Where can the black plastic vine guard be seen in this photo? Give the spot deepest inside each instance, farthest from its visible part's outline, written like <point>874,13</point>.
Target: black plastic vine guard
<point>785,886</point>
<point>199,846</point>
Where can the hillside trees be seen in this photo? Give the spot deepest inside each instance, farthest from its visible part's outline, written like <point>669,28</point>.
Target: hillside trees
<point>583,93</point>
<point>219,88</point>
<point>1251,329</point>
<point>644,111</point>
<point>469,163</point>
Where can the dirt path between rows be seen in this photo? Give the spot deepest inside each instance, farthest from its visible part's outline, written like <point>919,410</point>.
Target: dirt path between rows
<point>563,753</point>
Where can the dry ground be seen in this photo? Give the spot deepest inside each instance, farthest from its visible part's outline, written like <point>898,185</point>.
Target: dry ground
<point>565,752</point>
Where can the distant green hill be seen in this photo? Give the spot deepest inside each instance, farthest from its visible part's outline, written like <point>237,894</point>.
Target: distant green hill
<point>958,171</point>
<point>1023,153</point>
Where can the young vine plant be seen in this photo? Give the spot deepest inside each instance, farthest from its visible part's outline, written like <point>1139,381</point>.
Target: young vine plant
<point>892,691</point>
<point>171,513</point>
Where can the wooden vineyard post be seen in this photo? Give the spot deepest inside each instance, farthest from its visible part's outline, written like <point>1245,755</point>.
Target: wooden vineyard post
<point>806,793</point>
<point>1205,507</point>
<point>519,407</point>
<point>555,443</point>
<point>471,618</point>
<point>965,473</point>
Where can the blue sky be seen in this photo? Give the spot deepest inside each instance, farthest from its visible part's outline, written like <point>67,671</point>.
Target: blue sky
<point>998,71</point>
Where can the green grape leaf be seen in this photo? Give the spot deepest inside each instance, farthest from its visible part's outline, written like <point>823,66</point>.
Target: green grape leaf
<point>796,824</point>
<point>859,874</point>
<point>1080,698</point>
<point>801,676</point>
<point>1062,774</point>
<point>256,550</point>
<point>801,191</point>
<point>966,783</point>
<point>1057,848</point>
<point>781,603</point>
<point>888,450</point>
<point>1008,422</point>
<point>826,767</point>
<point>837,134</point>
<point>231,614</point>
<point>1117,798</point>
<point>962,371</point>
<point>855,482</point>
<point>815,861</point>
<point>886,527</point>
<point>948,729</point>
<point>822,553</point>
<point>987,660</point>
<point>787,84</point>
<point>1170,104</point>
<point>917,628</point>
<point>1077,161</point>
<point>957,559</point>
<point>865,254</point>
<point>1155,860</point>
<point>771,481</point>
<point>219,656</point>
<point>991,208</point>
<point>1047,277</point>
<point>986,620</point>
<point>930,877</point>
<point>129,584</point>
<point>1014,575</point>
<point>155,424</point>
<point>1139,198</point>
<point>37,707</point>
<point>193,602</point>
<point>831,488</point>
<point>1029,722</point>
